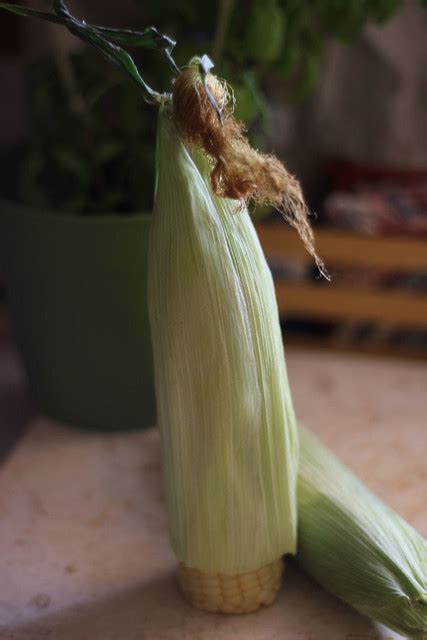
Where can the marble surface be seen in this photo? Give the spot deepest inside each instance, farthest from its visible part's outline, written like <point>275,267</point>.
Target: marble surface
<point>84,551</point>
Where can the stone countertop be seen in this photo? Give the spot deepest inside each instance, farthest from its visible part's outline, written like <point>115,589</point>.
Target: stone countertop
<point>84,551</point>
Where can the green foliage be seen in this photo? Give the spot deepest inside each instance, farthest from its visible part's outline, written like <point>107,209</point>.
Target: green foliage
<point>264,32</point>
<point>106,40</point>
<point>286,37</point>
<point>248,100</point>
<point>384,9</point>
<point>99,159</point>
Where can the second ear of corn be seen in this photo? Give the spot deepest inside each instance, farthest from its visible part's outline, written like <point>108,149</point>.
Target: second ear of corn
<point>225,414</point>
<point>356,547</point>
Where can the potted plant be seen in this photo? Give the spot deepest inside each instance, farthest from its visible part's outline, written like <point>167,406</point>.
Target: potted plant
<point>74,248</point>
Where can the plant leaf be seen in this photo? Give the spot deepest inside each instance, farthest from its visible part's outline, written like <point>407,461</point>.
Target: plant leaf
<point>290,57</point>
<point>150,38</point>
<point>94,36</point>
<point>60,8</point>
<point>384,9</point>
<point>265,31</point>
<point>34,13</point>
<point>108,150</point>
<point>118,55</point>
<point>70,162</point>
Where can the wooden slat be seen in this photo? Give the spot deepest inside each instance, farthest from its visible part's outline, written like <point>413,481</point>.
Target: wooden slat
<point>336,302</point>
<point>372,349</point>
<point>347,248</point>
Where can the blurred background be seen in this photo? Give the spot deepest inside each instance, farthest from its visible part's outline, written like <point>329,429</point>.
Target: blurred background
<point>337,89</point>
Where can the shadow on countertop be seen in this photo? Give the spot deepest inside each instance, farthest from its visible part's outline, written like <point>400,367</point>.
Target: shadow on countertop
<point>157,611</point>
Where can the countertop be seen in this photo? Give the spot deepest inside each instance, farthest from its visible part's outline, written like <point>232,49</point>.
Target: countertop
<point>84,550</point>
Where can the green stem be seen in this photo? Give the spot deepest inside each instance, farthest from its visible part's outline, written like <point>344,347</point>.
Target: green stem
<point>105,40</point>
<point>224,16</point>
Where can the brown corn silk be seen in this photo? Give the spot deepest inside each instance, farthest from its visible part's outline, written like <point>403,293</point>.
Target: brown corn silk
<point>239,171</point>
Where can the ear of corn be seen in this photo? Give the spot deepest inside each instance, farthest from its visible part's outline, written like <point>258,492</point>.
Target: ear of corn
<point>356,547</point>
<point>226,419</point>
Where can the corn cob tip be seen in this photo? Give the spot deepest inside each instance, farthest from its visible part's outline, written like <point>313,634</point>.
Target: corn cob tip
<point>239,171</point>
<point>233,594</point>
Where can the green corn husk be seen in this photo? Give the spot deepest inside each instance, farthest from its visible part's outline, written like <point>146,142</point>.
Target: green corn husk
<point>356,547</point>
<point>226,418</point>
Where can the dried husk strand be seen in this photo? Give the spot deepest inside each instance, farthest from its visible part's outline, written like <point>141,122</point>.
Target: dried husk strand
<point>239,171</point>
<point>356,547</point>
<point>225,413</point>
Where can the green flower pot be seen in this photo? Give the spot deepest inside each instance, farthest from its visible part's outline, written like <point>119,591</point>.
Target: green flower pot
<point>77,287</point>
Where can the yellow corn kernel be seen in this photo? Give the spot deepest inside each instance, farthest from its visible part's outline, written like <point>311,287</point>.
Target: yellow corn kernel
<point>234,594</point>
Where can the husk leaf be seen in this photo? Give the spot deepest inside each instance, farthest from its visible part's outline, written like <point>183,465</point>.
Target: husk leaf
<point>225,415</point>
<point>356,547</point>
